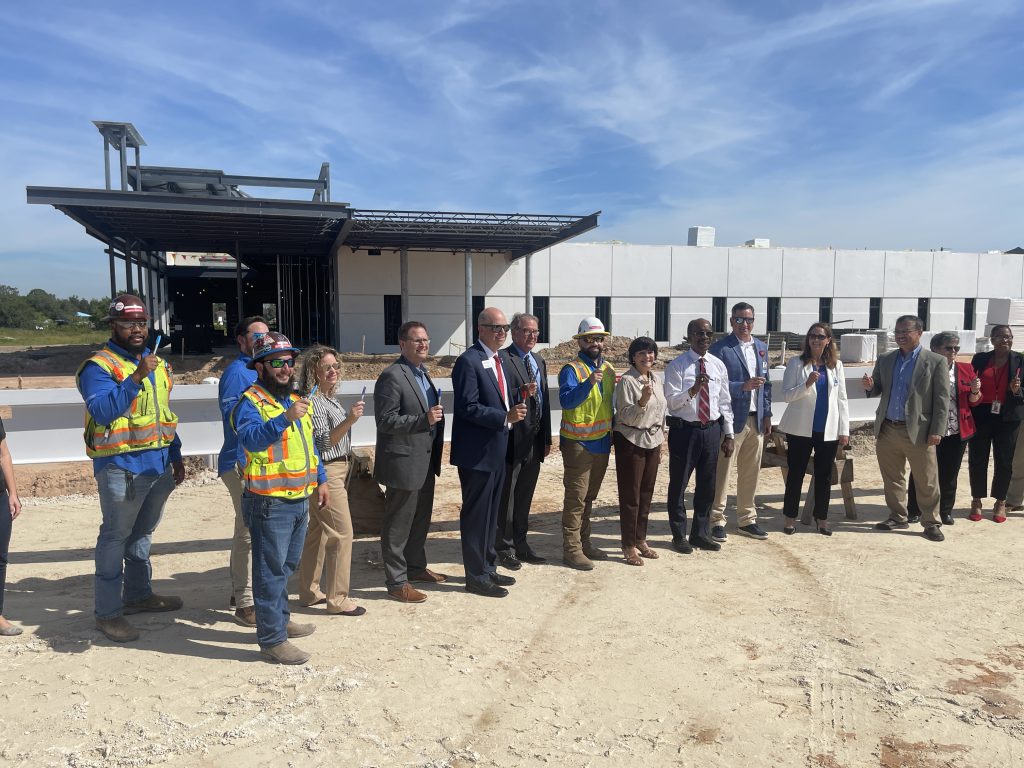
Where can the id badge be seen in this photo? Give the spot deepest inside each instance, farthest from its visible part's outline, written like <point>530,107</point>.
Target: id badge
<point>996,406</point>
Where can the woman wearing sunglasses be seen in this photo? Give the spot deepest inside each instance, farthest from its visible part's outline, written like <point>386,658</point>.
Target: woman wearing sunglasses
<point>327,554</point>
<point>949,453</point>
<point>817,419</point>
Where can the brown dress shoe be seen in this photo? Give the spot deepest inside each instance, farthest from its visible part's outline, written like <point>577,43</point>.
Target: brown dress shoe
<point>427,576</point>
<point>246,616</point>
<point>117,629</point>
<point>407,594</point>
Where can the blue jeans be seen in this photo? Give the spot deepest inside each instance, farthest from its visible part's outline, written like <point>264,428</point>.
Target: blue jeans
<point>131,506</point>
<point>278,530</point>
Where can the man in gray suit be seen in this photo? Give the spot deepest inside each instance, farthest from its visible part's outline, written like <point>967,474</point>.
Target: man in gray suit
<point>410,438</point>
<point>910,421</point>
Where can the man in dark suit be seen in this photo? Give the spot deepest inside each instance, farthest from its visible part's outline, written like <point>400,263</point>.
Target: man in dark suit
<point>410,438</point>
<point>910,421</point>
<point>750,391</point>
<point>484,413</point>
<point>528,443</point>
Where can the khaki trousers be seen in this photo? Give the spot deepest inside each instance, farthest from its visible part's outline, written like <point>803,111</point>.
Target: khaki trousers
<point>746,457</point>
<point>241,546</point>
<point>895,450</point>
<point>584,472</point>
<point>328,548</point>
<point>1015,493</point>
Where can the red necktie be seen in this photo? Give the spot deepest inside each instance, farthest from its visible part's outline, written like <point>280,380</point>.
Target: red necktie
<point>703,398</point>
<point>501,378</point>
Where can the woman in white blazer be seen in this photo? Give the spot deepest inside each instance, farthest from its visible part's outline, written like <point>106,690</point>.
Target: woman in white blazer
<point>817,419</point>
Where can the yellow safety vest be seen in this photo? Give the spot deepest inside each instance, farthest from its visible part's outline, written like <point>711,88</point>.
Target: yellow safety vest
<point>288,467</point>
<point>150,423</point>
<point>592,418</point>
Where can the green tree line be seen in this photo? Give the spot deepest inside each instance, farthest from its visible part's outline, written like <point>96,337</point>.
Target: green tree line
<point>41,308</point>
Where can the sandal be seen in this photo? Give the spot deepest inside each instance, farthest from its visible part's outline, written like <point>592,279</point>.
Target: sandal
<point>646,551</point>
<point>975,510</point>
<point>999,512</point>
<point>632,558</point>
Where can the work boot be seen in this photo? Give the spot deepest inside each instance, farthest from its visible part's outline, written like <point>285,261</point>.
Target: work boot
<point>154,604</point>
<point>577,560</point>
<point>300,630</point>
<point>285,653</point>
<point>117,629</point>
<point>246,616</point>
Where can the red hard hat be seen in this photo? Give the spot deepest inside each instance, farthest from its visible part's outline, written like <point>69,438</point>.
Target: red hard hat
<point>127,307</point>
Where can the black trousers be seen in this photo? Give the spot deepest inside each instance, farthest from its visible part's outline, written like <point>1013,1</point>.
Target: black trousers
<point>949,455</point>
<point>6,524</point>
<point>403,536</point>
<point>998,437</point>
<point>798,455</point>
<point>478,521</point>
<point>516,499</point>
<point>691,449</point>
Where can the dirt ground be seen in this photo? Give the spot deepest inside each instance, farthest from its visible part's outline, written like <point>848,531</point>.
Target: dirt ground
<point>865,648</point>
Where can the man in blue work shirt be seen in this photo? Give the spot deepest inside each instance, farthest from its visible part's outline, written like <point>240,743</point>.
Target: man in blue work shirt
<point>236,379</point>
<point>585,389</point>
<point>131,437</point>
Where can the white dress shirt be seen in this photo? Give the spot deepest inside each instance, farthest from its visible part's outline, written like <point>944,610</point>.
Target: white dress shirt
<point>681,374</point>
<point>750,356</point>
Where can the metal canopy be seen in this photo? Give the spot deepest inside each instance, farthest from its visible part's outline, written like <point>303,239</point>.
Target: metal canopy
<point>260,228</point>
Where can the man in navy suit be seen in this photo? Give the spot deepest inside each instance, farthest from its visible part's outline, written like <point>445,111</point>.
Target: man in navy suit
<point>746,359</point>
<point>484,413</point>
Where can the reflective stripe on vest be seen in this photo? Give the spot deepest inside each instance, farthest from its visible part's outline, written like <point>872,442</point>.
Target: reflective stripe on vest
<point>149,422</point>
<point>286,468</point>
<point>591,419</point>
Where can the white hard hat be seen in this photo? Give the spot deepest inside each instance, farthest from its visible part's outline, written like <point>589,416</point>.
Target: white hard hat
<point>591,326</point>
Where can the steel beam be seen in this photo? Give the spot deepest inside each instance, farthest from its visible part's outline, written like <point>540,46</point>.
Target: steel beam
<point>469,298</point>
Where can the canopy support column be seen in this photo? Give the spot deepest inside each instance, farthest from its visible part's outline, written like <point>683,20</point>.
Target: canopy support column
<point>469,299</point>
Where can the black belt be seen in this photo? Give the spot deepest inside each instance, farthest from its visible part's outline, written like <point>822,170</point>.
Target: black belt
<point>340,458</point>
<point>675,421</point>
<point>895,423</point>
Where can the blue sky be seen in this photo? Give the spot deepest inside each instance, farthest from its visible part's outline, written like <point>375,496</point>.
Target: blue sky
<point>892,124</point>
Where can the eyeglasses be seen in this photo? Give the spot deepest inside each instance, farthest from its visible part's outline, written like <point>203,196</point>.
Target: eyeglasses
<point>334,367</point>
<point>418,342</point>
<point>709,334</point>
<point>131,325</point>
<point>280,362</point>
<point>528,332</point>
<point>904,331</point>
<point>593,339</point>
<point>817,336</point>
<point>952,349</point>
<point>496,328</point>
<point>745,320</point>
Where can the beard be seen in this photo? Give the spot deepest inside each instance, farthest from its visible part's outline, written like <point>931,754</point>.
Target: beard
<point>278,390</point>
<point>593,354</point>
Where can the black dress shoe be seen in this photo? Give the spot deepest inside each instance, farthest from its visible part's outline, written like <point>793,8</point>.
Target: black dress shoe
<point>934,533</point>
<point>705,544</point>
<point>947,518</point>
<point>486,589</point>
<point>509,560</point>
<point>682,545</point>
<point>502,581</point>
<point>529,556</point>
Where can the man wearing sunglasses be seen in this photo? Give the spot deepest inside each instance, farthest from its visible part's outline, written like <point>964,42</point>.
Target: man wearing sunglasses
<point>750,392</point>
<point>131,437</point>
<point>237,378</point>
<point>282,472</point>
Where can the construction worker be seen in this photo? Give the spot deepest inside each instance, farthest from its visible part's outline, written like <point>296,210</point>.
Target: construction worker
<point>130,435</point>
<point>282,470</point>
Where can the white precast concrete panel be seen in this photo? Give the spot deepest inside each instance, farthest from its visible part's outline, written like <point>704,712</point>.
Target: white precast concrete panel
<point>755,272</point>
<point>582,269</point>
<point>641,270</point>
<point>566,313</point>
<point>980,313</point>
<point>859,273</point>
<point>540,272</point>
<point>760,305</point>
<point>797,314</point>
<point>683,310</point>
<point>1000,274</point>
<point>633,316</point>
<point>946,314</point>
<point>507,304</point>
<point>361,273</point>
<point>807,272</point>
<point>897,307</point>
<point>855,310</point>
<point>954,275</point>
<point>504,278</point>
<point>908,273</point>
<point>699,271</point>
<point>442,273</point>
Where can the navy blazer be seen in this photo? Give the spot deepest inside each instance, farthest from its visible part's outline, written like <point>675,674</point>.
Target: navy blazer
<point>479,431</point>
<point>729,352</point>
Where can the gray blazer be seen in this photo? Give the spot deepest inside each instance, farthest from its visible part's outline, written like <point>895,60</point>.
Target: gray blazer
<point>927,400</point>
<point>407,446</point>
